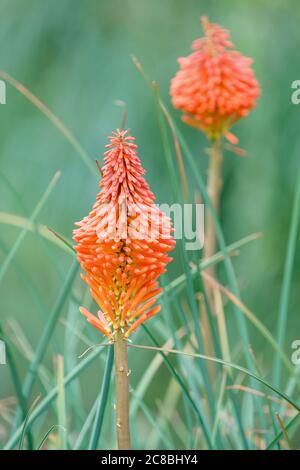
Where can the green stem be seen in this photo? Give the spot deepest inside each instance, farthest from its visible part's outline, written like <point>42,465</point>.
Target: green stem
<point>122,392</point>
<point>214,185</point>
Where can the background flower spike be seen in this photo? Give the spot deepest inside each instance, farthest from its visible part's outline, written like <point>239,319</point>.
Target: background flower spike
<point>215,85</point>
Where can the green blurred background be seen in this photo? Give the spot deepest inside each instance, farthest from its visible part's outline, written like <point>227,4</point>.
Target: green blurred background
<point>75,56</point>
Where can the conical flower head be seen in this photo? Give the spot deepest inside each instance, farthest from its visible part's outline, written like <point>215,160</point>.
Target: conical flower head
<point>215,86</point>
<point>122,244</point>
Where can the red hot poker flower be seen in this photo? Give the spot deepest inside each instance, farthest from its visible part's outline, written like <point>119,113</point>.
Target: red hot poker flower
<point>122,244</point>
<point>215,86</point>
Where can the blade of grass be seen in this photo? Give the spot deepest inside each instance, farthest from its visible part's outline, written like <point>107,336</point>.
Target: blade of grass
<point>224,363</point>
<point>24,231</point>
<point>291,385</point>
<point>169,403</point>
<point>222,327</point>
<point>26,279</point>
<point>42,230</point>
<point>274,426</point>
<point>284,431</point>
<point>254,320</point>
<point>181,170</point>
<point>63,240</point>
<point>53,118</point>
<point>75,398</point>
<point>47,333</point>
<point>25,424</point>
<point>257,393</point>
<point>286,284</point>
<point>219,406</point>
<point>46,402</point>
<point>231,395</point>
<point>102,401</point>
<point>178,283</point>
<point>61,403</point>
<point>17,383</point>
<point>184,366</point>
<point>30,285</point>
<point>183,254</point>
<point>186,393</point>
<point>280,435</point>
<point>219,233</point>
<point>191,293</point>
<point>148,376</point>
<point>54,426</point>
<point>267,401</point>
<point>20,203</point>
<point>86,426</point>
<point>221,241</point>
<point>154,423</point>
<point>23,346</point>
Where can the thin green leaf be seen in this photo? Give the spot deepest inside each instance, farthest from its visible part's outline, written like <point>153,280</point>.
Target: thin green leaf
<point>183,253</point>
<point>46,402</point>
<point>102,400</point>
<point>63,240</point>
<point>52,117</point>
<point>255,322</point>
<point>25,424</point>
<point>186,393</point>
<point>224,363</point>
<point>54,426</point>
<point>17,383</point>
<point>286,285</point>
<point>40,229</point>
<point>61,403</point>
<point>221,241</point>
<point>154,423</point>
<point>47,333</point>
<point>279,436</point>
<point>86,426</point>
<point>219,406</point>
<point>284,431</point>
<point>24,231</point>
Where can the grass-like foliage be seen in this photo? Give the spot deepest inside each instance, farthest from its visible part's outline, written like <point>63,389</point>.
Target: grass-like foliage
<point>185,392</point>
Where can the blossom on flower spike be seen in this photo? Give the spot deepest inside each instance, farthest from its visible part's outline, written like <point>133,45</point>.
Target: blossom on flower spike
<point>122,244</point>
<point>215,86</point>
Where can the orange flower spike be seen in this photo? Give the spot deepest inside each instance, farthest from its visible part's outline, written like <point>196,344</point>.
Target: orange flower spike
<point>215,86</point>
<point>122,244</point>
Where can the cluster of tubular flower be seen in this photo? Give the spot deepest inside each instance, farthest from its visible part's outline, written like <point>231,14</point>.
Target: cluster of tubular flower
<point>123,244</point>
<point>215,85</point>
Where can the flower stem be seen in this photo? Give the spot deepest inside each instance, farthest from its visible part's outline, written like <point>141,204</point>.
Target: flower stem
<point>122,392</point>
<point>214,186</point>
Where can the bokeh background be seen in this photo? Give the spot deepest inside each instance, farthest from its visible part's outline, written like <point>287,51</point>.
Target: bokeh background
<point>75,56</point>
